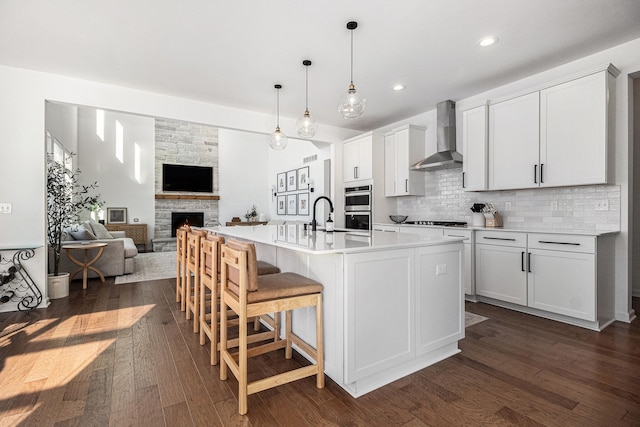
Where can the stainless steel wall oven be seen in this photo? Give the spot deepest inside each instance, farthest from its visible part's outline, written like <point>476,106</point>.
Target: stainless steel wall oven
<point>358,202</point>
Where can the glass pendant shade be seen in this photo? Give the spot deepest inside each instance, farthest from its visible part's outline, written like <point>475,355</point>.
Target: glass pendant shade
<point>352,104</point>
<point>278,140</point>
<point>306,126</point>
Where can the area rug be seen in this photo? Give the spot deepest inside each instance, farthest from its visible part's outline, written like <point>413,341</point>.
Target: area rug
<point>151,266</point>
<point>471,319</point>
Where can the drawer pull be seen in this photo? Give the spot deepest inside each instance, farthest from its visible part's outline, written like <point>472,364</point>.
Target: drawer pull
<point>455,235</point>
<point>499,238</point>
<point>559,243</point>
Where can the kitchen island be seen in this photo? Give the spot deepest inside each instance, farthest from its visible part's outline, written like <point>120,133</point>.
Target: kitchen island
<point>393,302</point>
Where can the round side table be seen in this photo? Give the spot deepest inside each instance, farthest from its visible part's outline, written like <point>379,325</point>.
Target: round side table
<point>86,263</point>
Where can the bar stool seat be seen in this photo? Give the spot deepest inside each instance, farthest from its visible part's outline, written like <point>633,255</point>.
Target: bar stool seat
<point>247,295</point>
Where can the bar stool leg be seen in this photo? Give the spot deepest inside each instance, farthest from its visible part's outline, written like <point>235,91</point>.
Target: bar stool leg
<point>242,364</point>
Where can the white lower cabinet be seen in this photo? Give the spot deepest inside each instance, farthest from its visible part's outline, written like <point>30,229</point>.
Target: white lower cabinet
<point>560,276</point>
<point>378,340</point>
<point>421,292</point>
<point>500,266</point>
<point>468,268</point>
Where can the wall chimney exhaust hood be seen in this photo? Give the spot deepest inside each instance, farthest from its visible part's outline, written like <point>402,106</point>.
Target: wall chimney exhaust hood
<point>447,157</point>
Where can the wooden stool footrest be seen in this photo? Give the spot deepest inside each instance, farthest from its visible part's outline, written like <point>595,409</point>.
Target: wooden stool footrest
<point>284,378</point>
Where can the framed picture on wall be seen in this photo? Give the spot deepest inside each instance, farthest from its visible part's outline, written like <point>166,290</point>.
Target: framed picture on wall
<point>303,204</point>
<point>282,208</point>
<point>281,180</point>
<point>292,202</point>
<point>303,177</point>
<point>292,181</point>
<point>282,233</point>
<point>116,215</point>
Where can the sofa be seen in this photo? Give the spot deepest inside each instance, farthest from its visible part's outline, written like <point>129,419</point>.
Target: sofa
<point>116,260</point>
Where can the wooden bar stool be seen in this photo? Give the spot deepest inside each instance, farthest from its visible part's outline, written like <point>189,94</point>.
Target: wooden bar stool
<point>192,286</point>
<point>210,251</point>
<point>248,295</point>
<point>181,267</point>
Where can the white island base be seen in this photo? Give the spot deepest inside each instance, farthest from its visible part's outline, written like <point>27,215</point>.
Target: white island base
<point>393,302</point>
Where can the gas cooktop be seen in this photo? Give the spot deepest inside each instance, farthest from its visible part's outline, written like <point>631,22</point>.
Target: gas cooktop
<point>439,222</point>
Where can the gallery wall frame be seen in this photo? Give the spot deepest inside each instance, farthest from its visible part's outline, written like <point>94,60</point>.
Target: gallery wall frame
<point>303,204</point>
<point>282,205</point>
<point>292,180</point>
<point>292,204</point>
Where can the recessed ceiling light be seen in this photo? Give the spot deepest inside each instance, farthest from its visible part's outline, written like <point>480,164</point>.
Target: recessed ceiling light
<point>488,41</point>
<point>398,87</point>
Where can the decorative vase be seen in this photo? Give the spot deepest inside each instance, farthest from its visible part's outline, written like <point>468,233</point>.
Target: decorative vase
<point>58,286</point>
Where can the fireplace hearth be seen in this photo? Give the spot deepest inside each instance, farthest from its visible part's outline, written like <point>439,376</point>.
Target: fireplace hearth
<point>178,219</point>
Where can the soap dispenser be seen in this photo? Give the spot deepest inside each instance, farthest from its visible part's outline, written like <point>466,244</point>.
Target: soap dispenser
<point>329,225</point>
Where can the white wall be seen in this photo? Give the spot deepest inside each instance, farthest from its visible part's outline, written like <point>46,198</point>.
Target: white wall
<point>22,135</point>
<point>635,105</point>
<point>130,181</point>
<point>243,165</point>
<point>62,123</point>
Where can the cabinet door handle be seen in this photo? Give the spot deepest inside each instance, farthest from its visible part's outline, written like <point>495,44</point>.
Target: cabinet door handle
<point>406,185</point>
<point>541,173</point>
<point>355,172</point>
<point>499,238</point>
<point>529,262</point>
<point>463,186</point>
<point>522,261</point>
<point>559,243</point>
<point>535,174</point>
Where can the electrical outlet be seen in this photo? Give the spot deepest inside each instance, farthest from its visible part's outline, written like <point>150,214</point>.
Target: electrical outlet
<point>507,206</point>
<point>602,205</point>
<point>5,208</point>
<point>554,205</point>
<point>441,269</point>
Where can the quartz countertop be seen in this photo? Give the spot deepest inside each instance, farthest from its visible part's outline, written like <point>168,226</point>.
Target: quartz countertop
<point>294,237</point>
<point>512,229</point>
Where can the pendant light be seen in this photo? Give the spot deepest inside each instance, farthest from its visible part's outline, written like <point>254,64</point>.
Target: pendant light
<point>306,125</point>
<point>352,104</point>
<point>278,140</point>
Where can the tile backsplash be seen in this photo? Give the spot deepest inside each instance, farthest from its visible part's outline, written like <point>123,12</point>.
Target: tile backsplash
<point>594,208</point>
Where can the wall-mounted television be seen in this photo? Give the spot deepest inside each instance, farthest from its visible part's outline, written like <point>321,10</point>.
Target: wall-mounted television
<point>197,179</point>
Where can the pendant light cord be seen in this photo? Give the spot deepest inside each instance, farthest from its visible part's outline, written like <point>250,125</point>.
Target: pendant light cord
<point>352,57</point>
<point>306,86</point>
<point>278,109</point>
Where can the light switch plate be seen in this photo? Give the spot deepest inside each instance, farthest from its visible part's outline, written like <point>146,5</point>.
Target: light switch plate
<point>5,208</point>
<point>441,269</point>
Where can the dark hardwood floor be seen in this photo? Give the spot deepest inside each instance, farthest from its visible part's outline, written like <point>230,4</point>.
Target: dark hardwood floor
<point>124,355</point>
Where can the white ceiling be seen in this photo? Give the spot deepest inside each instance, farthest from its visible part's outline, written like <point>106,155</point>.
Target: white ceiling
<point>233,52</point>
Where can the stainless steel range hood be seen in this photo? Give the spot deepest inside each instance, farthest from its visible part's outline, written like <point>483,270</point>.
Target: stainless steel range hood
<point>447,157</point>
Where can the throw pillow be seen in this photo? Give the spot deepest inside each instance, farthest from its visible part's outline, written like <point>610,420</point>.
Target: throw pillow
<point>99,230</point>
<point>81,233</point>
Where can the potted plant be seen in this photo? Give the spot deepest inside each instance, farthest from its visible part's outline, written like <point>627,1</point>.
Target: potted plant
<point>66,199</point>
<point>251,214</point>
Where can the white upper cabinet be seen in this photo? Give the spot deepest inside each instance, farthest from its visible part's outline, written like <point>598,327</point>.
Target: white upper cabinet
<point>573,132</point>
<point>514,143</point>
<point>402,148</point>
<point>474,149</point>
<point>558,136</point>
<point>358,159</point>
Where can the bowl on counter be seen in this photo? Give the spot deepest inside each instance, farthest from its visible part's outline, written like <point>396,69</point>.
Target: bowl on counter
<point>398,219</point>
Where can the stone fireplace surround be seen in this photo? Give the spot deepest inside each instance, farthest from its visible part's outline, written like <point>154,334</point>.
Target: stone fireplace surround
<point>183,143</point>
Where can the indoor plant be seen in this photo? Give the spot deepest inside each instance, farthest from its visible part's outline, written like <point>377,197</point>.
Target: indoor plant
<point>66,199</point>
